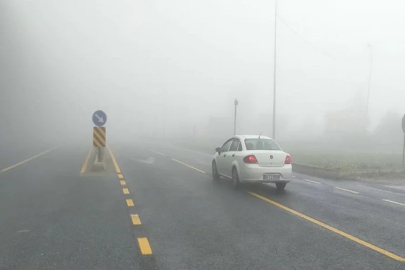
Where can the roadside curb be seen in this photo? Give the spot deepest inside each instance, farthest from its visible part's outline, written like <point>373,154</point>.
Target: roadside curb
<point>339,174</point>
<point>316,171</point>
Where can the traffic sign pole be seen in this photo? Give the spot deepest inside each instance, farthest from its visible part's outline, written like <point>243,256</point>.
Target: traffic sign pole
<point>100,154</point>
<point>99,136</point>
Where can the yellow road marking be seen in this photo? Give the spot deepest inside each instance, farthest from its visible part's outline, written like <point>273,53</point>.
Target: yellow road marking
<point>130,202</point>
<point>326,226</point>
<point>178,161</point>
<point>125,191</point>
<point>393,202</point>
<point>156,152</point>
<point>120,176</point>
<point>85,163</point>
<point>312,181</point>
<point>136,220</point>
<point>117,168</point>
<point>29,159</point>
<point>348,190</point>
<point>144,246</point>
<point>123,183</point>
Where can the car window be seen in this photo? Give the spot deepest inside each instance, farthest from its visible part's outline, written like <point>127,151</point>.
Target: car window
<point>225,147</point>
<point>234,145</point>
<point>240,147</point>
<point>261,144</point>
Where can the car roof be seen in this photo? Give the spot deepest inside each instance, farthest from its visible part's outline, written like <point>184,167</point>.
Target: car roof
<point>252,136</point>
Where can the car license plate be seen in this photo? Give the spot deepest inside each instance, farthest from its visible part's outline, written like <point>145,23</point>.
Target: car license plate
<point>271,177</point>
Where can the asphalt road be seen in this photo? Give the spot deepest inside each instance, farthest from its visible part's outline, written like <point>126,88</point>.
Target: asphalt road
<point>157,207</point>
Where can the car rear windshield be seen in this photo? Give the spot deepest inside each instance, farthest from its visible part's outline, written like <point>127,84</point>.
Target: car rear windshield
<point>261,144</point>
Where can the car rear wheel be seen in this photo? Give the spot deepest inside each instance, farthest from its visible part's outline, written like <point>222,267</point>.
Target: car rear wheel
<point>215,174</point>
<point>281,186</point>
<point>235,179</point>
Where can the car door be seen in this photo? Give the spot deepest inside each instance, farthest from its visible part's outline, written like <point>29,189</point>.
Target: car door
<point>233,150</point>
<point>222,158</point>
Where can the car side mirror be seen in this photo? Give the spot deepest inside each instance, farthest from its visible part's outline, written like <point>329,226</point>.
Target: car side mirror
<point>218,150</point>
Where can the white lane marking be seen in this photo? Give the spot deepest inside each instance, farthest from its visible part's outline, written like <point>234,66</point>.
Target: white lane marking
<point>192,151</point>
<point>393,202</point>
<point>396,187</point>
<point>29,159</point>
<point>396,193</point>
<point>348,190</point>
<point>150,160</point>
<point>156,152</point>
<point>191,167</point>
<point>293,176</point>
<point>312,181</point>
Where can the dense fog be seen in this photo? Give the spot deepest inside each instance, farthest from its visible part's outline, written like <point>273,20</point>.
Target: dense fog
<point>173,68</point>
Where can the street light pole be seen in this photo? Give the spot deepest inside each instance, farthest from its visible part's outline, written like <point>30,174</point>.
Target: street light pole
<point>369,83</point>
<point>274,78</point>
<point>234,120</point>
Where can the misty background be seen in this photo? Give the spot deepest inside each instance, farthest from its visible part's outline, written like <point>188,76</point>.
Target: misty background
<point>173,69</point>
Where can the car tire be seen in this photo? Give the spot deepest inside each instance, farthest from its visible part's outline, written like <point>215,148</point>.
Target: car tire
<point>280,186</point>
<point>235,179</point>
<point>215,174</point>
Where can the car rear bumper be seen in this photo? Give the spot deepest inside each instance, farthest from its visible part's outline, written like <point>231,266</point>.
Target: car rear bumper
<point>253,173</point>
<point>264,181</point>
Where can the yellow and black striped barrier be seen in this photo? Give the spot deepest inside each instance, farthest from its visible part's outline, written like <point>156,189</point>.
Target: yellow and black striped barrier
<point>99,136</point>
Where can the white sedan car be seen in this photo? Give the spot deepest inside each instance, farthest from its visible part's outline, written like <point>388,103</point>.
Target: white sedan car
<point>252,159</point>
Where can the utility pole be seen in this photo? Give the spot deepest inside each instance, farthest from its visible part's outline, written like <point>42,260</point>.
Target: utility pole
<point>234,120</point>
<point>369,83</point>
<point>275,61</point>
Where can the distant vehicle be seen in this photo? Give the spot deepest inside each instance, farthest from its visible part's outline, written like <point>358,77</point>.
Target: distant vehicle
<point>252,159</point>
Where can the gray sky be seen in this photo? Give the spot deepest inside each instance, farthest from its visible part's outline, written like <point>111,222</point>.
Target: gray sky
<point>183,61</point>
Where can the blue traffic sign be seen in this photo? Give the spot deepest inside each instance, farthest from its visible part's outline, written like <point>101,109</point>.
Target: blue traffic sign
<point>99,118</point>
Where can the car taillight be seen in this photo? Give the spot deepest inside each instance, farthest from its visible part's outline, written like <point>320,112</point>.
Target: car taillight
<point>250,159</point>
<point>287,160</point>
